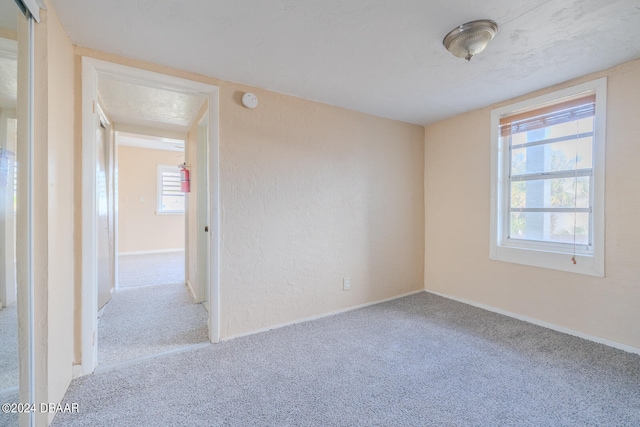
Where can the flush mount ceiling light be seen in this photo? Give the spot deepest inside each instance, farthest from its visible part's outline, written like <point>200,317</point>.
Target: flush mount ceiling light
<point>471,38</point>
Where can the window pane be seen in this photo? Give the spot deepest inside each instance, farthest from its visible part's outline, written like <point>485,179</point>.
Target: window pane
<point>551,193</point>
<point>550,227</point>
<point>555,131</point>
<point>173,203</point>
<point>557,156</point>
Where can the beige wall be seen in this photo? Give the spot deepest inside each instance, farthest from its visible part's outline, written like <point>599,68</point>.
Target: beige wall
<point>311,194</point>
<point>457,173</point>
<point>140,227</point>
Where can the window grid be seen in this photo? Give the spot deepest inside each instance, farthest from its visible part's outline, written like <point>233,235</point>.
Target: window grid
<point>170,196</point>
<point>550,223</point>
<point>516,134</point>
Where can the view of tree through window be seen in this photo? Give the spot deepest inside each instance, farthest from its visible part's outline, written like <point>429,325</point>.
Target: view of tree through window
<point>551,168</point>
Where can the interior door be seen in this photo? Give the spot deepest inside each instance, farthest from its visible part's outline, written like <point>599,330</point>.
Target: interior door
<point>8,290</point>
<point>204,235</point>
<point>105,279</point>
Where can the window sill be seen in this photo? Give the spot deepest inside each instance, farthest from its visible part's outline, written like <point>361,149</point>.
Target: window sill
<point>585,264</point>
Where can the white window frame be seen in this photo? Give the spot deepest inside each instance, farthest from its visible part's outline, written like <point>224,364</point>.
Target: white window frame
<point>160,210</point>
<point>546,254</point>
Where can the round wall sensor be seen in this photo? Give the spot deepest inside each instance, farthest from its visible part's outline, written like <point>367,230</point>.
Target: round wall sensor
<point>249,100</point>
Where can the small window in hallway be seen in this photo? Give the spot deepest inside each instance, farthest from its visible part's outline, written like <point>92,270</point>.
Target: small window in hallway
<point>170,198</point>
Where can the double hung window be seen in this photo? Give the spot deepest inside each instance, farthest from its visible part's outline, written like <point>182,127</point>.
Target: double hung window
<point>548,180</point>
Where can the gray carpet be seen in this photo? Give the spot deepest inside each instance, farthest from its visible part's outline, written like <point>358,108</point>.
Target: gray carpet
<point>9,375</point>
<point>148,320</point>
<point>150,269</point>
<point>417,361</point>
<point>10,419</point>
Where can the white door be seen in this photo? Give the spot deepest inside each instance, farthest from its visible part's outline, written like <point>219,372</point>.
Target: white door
<point>204,234</point>
<point>105,279</point>
<point>8,292</point>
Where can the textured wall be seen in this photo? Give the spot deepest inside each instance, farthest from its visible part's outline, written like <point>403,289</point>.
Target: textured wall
<point>139,227</point>
<point>310,194</point>
<point>457,173</point>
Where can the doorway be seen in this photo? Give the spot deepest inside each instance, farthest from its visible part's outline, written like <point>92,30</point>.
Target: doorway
<point>104,193</point>
<point>155,87</point>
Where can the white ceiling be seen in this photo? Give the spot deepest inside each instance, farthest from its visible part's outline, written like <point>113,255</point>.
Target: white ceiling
<point>377,56</point>
<point>141,105</point>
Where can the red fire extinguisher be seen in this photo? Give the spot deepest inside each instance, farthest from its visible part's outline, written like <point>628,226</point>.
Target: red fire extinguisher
<point>185,181</point>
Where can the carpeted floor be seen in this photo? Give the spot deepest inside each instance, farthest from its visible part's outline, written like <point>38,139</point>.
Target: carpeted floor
<point>148,320</point>
<point>10,419</point>
<point>418,361</point>
<point>150,269</point>
<point>9,375</point>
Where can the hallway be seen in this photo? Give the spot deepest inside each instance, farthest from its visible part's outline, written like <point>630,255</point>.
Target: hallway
<point>151,269</point>
<point>148,316</point>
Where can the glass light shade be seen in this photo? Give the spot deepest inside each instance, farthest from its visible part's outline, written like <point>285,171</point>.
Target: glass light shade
<point>471,38</point>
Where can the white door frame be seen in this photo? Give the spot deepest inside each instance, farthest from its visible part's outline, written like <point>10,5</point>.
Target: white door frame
<point>91,69</point>
<point>202,219</point>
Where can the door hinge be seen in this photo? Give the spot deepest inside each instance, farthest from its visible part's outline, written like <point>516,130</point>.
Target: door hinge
<point>206,228</point>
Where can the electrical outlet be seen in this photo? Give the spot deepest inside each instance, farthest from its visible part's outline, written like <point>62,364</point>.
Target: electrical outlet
<point>346,283</point>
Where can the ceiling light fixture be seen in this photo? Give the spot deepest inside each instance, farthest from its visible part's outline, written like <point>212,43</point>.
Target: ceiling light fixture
<point>471,38</point>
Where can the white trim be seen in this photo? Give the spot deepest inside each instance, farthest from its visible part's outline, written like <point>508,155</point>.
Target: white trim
<point>91,69</point>
<point>203,238</point>
<point>320,316</point>
<point>116,207</point>
<point>33,7</point>
<point>31,339</point>
<point>153,251</point>
<point>549,255</point>
<point>214,213</point>
<point>76,371</point>
<point>192,293</point>
<point>568,331</point>
<point>89,267</point>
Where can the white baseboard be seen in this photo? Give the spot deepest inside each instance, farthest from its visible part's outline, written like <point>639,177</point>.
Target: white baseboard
<point>544,324</point>
<point>76,371</point>
<point>318,316</point>
<point>154,251</point>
